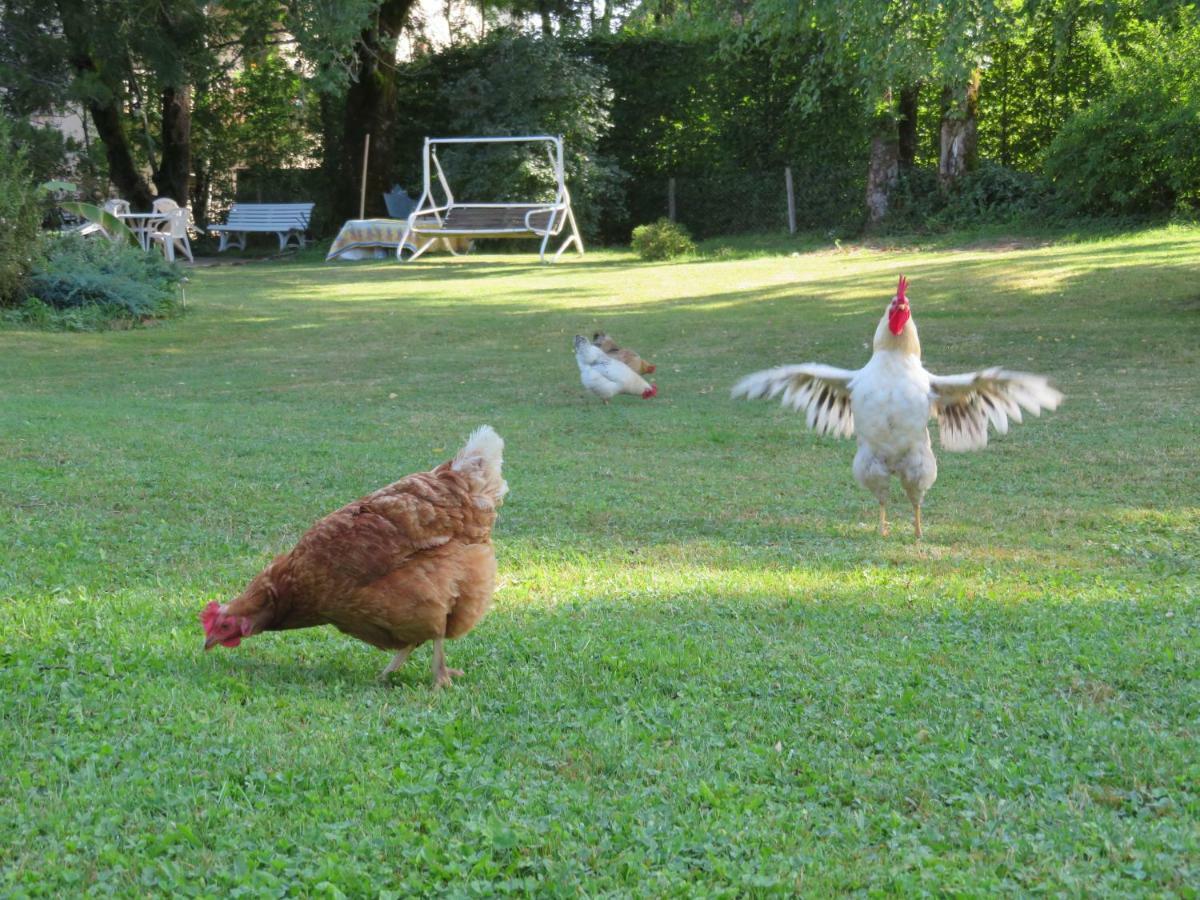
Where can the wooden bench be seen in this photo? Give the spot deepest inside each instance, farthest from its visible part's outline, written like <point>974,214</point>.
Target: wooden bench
<point>287,221</point>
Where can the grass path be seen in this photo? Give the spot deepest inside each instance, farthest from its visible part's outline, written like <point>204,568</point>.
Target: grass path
<point>704,673</point>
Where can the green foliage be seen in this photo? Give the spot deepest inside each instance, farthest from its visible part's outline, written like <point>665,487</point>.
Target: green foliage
<point>263,120</point>
<point>724,121</point>
<point>663,239</point>
<point>122,280</point>
<point>513,84</point>
<point>991,194</point>
<point>20,217</point>
<point>251,126</point>
<point>47,150</point>
<point>1138,149</point>
<point>1040,75</point>
<point>114,228</point>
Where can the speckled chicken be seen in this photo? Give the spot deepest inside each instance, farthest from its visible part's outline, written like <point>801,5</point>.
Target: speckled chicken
<point>887,404</point>
<point>409,563</point>
<point>624,354</point>
<point>605,376</point>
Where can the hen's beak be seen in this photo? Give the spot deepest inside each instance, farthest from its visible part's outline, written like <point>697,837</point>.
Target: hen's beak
<point>211,642</point>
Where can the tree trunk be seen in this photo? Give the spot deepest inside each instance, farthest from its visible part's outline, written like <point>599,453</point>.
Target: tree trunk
<point>104,108</point>
<point>174,171</point>
<point>371,108</point>
<point>1005,159</point>
<point>907,126</point>
<point>882,174</point>
<point>960,139</point>
<point>122,170</point>
<point>201,188</point>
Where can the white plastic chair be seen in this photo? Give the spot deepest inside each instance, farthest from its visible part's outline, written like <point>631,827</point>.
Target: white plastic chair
<point>117,206</point>
<point>172,231</point>
<point>164,205</point>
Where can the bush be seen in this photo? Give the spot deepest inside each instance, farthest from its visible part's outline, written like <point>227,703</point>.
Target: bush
<point>1137,151</point>
<point>87,281</point>
<point>20,218</point>
<point>663,239</point>
<point>990,195</point>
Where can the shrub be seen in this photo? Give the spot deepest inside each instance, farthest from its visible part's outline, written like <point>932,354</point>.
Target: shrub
<point>991,195</point>
<point>663,239</point>
<point>20,218</point>
<point>1137,151</point>
<point>90,281</point>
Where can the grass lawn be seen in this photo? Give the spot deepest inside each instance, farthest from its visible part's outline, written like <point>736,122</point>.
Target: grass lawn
<point>704,672</point>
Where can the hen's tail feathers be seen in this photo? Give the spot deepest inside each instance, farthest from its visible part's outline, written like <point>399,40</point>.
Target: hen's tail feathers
<point>481,460</point>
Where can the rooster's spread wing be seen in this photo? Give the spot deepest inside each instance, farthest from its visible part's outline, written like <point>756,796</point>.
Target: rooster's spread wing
<point>822,392</point>
<point>965,404</point>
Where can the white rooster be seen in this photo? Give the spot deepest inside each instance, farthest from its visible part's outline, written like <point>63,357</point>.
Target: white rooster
<point>889,401</point>
<point>606,376</point>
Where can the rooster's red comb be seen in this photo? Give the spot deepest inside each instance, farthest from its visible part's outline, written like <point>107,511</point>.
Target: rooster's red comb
<point>902,287</point>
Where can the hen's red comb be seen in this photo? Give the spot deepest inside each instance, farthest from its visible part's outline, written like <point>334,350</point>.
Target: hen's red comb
<point>901,288</point>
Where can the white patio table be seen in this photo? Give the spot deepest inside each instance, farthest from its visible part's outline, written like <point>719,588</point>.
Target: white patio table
<point>142,225</point>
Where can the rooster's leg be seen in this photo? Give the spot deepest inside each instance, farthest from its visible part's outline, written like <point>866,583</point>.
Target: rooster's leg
<point>397,662</point>
<point>883,522</point>
<point>441,674</point>
<point>917,519</point>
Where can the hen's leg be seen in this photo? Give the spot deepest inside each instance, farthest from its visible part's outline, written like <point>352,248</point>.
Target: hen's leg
<point>397,661</point>
<point>441,674</point>
<point>917,519</point>
<point>883,522</point>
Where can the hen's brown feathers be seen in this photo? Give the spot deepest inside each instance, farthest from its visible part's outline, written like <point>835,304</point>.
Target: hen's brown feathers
<point>408,563</point>
<point>624,354</point>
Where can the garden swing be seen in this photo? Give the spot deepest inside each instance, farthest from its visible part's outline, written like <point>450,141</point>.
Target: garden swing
<point>517,219</point>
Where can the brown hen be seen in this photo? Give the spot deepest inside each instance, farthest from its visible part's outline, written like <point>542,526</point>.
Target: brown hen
<point>409,563</point>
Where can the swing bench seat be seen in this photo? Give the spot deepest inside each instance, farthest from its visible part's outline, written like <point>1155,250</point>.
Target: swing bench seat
<point>508,221</point>
<point>454,218</point>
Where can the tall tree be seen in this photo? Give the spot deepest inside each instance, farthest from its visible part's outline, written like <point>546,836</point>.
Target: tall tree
<point>119,56</point>
<point>99,83</point>
<point>371,107</point>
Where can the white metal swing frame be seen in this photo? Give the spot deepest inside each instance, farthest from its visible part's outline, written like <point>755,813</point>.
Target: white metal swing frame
<point>431,221</point>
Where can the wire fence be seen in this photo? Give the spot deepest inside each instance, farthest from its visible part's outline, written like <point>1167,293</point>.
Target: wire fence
<point>726,202</point>
<point>741,201</point>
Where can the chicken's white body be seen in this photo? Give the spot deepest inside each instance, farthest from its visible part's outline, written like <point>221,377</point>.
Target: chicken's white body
<point>891,403</point>
<point>887,405</point>
<point>606,376</point>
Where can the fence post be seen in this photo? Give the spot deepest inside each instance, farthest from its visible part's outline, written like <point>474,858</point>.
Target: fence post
<point>791,198</point>
<point>671,198</point>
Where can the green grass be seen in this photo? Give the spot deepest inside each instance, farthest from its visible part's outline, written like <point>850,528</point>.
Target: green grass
<point>704,672</point>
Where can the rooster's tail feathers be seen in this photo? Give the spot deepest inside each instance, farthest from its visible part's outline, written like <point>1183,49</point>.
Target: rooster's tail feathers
<point>481,460</point>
